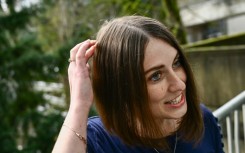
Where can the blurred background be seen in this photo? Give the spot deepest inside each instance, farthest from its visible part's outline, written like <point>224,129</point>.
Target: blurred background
<point>37,35</point>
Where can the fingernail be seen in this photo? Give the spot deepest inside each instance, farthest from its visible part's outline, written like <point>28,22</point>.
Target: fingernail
<point>87,41</point>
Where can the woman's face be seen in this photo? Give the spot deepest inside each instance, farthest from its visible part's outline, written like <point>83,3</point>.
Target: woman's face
<point>166,80</point>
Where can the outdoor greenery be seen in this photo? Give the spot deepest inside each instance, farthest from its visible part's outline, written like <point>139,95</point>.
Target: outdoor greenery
<point>34,47</point>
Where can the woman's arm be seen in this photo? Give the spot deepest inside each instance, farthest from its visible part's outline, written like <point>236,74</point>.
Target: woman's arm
<point>81,100</point>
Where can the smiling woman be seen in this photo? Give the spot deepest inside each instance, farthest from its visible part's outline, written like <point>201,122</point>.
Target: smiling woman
<point>166,83</point>
<point>144,92</point>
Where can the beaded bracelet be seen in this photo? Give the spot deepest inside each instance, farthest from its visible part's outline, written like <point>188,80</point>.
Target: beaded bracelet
<point>83,139</point>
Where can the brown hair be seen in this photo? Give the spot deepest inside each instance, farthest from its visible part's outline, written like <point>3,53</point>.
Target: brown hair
<point>119,83</point>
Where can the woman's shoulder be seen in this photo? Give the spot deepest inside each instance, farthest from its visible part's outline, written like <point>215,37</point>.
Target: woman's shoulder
<point>207,113</point>
<point>205,109</point>
<point>97,136</point>
<point>213,131</point>
<point>96,127</point>
<point>99,139</point>
<point>209,119</point>
<point>95,121</point>
<point>102,141</point>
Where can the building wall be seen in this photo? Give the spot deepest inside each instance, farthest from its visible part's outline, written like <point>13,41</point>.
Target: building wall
<point>205,19</point>
<point>194,33</point>
<point>206,30</point>
<point>236,24</point>
<point>219,72</point>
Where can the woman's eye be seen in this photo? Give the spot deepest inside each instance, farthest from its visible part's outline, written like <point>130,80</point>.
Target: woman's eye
<point>177,63</point>
<point>156,76</point>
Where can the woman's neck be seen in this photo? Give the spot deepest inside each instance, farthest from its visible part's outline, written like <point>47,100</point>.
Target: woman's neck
<point>169,126</point>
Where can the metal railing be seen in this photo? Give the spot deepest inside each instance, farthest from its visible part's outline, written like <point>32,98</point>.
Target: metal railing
<point>233,108</point>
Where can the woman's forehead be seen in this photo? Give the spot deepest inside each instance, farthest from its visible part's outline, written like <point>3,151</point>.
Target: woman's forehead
<point>158,52</point>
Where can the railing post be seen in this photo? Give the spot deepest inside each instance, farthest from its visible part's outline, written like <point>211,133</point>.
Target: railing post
<point>236,131</point>
<point>243,112</point>
<point>229,134</point>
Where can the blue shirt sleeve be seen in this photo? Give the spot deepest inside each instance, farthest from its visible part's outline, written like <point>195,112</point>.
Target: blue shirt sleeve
<point>213,128</point>
<point>101,141</point>
<point>95,136</point>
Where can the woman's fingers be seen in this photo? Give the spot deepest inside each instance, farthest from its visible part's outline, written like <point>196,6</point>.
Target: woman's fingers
<point>75,49</point>
<point>72,64</point>
<point>73,52</point>
<point>85,48</point>
<point>82,48</point>
<point>89,53</point>
<point>84,52</point>
<point>79,56</point>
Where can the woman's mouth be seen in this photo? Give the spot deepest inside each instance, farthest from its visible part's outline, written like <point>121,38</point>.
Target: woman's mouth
<point>178,101</point>
<point>175,101</point>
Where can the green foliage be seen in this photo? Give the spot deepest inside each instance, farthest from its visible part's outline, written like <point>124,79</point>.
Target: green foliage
<point>22,64</point>
<point>46,127</point>
<point>174,21</point>
<point>16,18</point>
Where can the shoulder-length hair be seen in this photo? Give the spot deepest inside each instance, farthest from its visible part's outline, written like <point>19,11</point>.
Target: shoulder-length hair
<point>120,88</point>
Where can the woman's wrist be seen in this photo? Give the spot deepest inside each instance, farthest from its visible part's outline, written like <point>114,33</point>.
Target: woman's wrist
<point>77,119</point>
<point>78,111</point>
<point>79,106</point>
<point>77,115</point>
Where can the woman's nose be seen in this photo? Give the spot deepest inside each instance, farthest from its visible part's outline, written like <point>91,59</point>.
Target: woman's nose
<point>177,81</point>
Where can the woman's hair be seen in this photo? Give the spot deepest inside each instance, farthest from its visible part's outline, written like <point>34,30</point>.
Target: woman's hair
<point>119,83</point>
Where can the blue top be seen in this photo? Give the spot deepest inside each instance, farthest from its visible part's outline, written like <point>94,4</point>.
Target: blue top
<point>100,141</point>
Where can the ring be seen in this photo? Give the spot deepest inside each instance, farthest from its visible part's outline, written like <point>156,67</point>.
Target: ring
<point>71,60</point>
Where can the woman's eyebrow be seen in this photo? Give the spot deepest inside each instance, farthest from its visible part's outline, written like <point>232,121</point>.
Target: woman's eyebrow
<point>177,56</point>
<point>154,68</point>
<point>161,66</point>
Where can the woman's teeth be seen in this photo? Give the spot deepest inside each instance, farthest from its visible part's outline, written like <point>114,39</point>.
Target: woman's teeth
<point>176,100</point>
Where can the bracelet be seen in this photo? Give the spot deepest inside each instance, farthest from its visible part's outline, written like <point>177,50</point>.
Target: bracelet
<point>83,139</point>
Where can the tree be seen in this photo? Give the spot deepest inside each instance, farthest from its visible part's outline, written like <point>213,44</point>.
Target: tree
<point>174,20</point>
<point>22,64</point>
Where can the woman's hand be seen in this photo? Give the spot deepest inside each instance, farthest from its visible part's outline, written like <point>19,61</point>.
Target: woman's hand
<point>78,72</point>
<point>81,100</point>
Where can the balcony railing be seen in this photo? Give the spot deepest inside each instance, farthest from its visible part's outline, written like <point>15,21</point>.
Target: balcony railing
<point>229,114</point>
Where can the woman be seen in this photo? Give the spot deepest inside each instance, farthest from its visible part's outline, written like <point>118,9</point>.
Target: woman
<point>144,92</point>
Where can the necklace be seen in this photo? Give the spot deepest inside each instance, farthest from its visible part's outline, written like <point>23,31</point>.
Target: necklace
<point>175,145</point>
